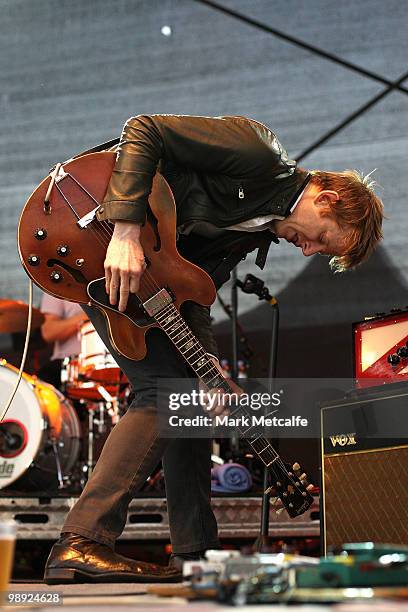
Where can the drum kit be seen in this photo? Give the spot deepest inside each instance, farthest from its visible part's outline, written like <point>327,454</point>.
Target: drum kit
<point>47,445</point>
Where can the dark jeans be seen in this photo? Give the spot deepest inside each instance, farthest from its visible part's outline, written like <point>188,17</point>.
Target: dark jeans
<point>134,448</point>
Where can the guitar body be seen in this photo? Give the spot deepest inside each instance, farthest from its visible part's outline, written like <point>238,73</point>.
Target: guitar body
<point>66,260</point>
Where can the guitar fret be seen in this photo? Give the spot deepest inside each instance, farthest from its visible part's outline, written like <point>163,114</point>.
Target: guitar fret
<point>217,377</point>
<point>168,319</point>
<point>160,314</point>
<point>211,369</point>
<point>203,374</point>
<point>183,338</point>
<point>200,349</point>
<point>188,358</point>
<point>200,365</point>
<point>174,327</point>
<point>189,345</point>
<point>182,329</point>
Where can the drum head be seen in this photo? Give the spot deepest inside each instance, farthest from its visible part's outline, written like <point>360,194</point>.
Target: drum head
<point>22,429</point>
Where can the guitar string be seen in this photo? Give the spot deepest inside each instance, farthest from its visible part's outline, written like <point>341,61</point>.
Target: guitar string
<point>103,231</point>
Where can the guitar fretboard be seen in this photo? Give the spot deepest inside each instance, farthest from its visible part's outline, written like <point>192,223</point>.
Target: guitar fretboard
<point>173,324</point>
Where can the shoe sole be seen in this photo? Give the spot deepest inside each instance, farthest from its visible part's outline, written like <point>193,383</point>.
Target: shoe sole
<point>70,576</point>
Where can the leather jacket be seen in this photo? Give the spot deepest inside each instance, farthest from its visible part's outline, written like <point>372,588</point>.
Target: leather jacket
<point>223,170</point>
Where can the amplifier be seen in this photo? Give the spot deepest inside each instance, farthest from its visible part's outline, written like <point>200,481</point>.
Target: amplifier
<point>381,349</point>
<point>365,468</point>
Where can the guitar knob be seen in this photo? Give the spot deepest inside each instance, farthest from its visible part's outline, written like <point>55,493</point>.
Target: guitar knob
<point>402,352</point>
<point>40,233</point>
<point>62,250</point>
<point>393,359</point>
<point>56,276</point>
<point>33,260</point>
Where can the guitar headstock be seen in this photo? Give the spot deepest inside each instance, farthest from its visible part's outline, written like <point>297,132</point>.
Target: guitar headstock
<point>291,487</point>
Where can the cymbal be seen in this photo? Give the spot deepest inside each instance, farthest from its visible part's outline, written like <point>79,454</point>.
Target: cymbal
<point>14,316</point>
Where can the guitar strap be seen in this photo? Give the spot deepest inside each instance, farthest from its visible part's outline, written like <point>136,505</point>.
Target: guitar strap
<point>220,255</point>
<point>103,146</point>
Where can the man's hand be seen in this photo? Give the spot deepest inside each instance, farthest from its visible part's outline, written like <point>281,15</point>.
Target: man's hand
<point>223,407</point>
<point>124,263</point>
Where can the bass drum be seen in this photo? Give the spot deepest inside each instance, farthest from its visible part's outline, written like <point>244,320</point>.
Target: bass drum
<point>40,436</point>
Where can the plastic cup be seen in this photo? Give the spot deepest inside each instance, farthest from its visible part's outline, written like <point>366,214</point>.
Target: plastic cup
<point>8,530</point>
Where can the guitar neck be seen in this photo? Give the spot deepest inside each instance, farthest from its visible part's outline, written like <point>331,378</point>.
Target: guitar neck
<point>191,349</point>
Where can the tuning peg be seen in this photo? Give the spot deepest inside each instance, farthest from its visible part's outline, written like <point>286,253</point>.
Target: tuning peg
<point>309,487</point>
<point>268,490</point>
<point>273,500</point>
<point>303,476</point>
<point>296,466</point>
<point>279,511</point>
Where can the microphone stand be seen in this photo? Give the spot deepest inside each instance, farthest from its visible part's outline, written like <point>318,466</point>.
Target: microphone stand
<point>234,361</point>
<point>254,285</point>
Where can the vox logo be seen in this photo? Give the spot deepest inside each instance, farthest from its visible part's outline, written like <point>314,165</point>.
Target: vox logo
<point>343,439</point>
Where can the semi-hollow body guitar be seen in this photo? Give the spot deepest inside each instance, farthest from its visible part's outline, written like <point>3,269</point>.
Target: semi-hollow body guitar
<point>62,247</point>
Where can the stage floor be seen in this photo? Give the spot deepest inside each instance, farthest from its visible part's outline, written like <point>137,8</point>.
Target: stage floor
<point>81,597</point>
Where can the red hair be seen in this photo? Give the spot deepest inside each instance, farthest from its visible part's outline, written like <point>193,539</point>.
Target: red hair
<point>359,211</point>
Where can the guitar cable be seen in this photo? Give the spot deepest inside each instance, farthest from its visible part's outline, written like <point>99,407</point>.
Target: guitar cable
<point>25,350</point>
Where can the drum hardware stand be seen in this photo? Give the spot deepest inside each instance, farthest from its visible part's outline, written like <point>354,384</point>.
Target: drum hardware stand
<point>254,285</point>
<point>91,439</point>
<point>57,463</point>
<point>111,404</point>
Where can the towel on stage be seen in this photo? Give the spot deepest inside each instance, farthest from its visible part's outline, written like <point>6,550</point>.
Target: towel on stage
<point>230,478</point>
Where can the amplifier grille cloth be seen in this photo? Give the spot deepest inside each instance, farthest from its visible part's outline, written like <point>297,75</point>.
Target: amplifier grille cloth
<point>366,497</point>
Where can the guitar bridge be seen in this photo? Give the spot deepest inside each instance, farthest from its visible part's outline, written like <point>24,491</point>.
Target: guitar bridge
<point>157,302</point>
<point>84,221</point>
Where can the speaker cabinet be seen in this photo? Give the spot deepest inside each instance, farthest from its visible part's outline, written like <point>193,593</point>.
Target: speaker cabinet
<point>365,468</point>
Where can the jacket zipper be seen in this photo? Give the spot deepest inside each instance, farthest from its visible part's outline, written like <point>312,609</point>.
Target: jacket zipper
<point>241,193</point>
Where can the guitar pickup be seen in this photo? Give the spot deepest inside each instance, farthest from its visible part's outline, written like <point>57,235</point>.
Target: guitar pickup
<point>157,302</point>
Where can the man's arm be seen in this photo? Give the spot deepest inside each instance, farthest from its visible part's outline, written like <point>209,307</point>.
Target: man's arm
<point>55,328</point>
<point>234,146</point>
